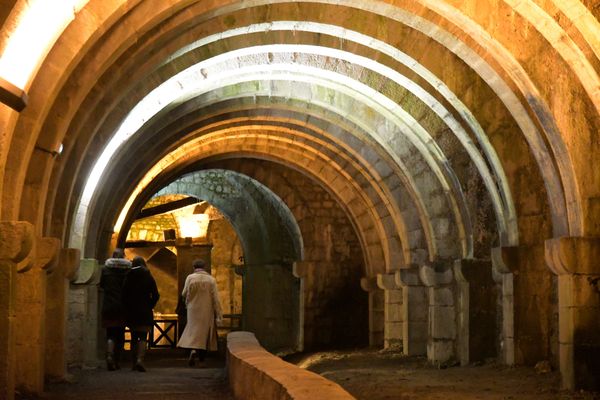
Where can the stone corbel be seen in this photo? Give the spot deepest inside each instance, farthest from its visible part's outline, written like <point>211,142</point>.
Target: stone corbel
<point>69,262</point>
<point>18,243</point>
<point>88,272</point>
<point>408,276</point>
<point>300,269</point>
<point>387,282</point>
<point>369,284</point>
<point>433,275</point>
<point>47,253</point>
<point>573,255</point>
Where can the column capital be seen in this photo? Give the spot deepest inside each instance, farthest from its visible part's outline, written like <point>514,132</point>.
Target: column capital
<point>369,284</point>
<point>408,276</point>
<point>504,259</point>
<point>18,244</point>
<point>88,272</point>
<point>68,262</point>
<point>47,253</point>
<point>387,281</point>
<point>573,255</point>
<point>300,269</point>
<point>435,274</point>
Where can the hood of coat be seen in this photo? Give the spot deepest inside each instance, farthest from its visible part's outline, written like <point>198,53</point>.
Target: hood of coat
<point>119,263</point>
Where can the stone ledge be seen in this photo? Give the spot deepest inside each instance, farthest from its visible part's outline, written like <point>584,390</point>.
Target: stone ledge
<point>254,373</point>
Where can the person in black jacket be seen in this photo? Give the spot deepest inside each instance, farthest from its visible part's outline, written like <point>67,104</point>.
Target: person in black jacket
<point>113,317</point>
<point>139,298</point>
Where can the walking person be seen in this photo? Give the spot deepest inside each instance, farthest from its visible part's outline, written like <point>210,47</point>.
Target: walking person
<point>203,313</point>
<point>140,295</point>
<point>113,317</point>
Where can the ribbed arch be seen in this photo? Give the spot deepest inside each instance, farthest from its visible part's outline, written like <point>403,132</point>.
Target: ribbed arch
<point>344,100</point>
<point>378,239</point>
<point>452,15</point>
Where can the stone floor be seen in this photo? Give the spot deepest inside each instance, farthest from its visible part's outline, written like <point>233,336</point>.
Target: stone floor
<point>168,377</point>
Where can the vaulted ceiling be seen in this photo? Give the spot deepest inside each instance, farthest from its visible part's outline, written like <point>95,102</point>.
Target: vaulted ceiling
<point>442,128</point>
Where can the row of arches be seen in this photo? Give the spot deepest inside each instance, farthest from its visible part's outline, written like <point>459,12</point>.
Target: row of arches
<point>443,130</point>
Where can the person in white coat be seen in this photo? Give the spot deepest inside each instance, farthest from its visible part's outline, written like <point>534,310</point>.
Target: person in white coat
<point>201,298</point>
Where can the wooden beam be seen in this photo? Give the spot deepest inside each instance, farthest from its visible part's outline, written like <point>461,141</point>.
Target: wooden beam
<point>167,207</point>
<point>12,96</point>
<point>145,243</point>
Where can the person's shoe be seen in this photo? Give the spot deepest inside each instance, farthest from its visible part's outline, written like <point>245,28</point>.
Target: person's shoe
<point>139,367</point>
<point>192,358</point>
<point>140,352</point>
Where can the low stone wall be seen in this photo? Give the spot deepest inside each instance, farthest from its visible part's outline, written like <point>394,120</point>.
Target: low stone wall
<point>254,373</point>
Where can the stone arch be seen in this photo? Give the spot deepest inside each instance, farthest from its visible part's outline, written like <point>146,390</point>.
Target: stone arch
<point>271,235</point>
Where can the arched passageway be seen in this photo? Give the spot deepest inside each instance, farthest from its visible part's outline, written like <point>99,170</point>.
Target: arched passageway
<point>426,166</point>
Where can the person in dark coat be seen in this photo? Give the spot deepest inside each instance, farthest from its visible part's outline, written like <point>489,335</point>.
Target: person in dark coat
<point>140,295</point>
<point>113,316</point>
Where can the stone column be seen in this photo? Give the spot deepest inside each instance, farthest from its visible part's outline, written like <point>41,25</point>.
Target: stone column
<point>84,309</point>
<point>576,261</point>
<point>300,271</point>
<point>476,306</point>
<point>393,318</point>
<point>503,277</point>
<point>442,314</point>
<point>31,318</point>
<point>376,310</point>
<point>415,311</point>
<point>527,307</point>
<point>17,250</point>
<point>56,312</point>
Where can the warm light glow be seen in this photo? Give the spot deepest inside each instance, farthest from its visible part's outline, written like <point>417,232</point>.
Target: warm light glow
<point>37,28</point>
<point>193,225</point>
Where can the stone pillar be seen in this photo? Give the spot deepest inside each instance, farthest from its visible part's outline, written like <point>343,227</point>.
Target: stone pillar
<point>31,318</point>
<point>504,279</point>
<point>393,318</point>
<point>415,311</point>
<point>56,312</point>
<point>376,311</point>
<point>527,307</point>
<point>300,270</point>
<point>476,310</point>
<point>17,249</point>
<point>442,314</point>
<point>83,318</point>
<point>576,261</point>
<point>187,252</point>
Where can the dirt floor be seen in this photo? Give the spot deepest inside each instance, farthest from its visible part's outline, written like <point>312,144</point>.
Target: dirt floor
<point>367,374</point>
<point>379,375</point>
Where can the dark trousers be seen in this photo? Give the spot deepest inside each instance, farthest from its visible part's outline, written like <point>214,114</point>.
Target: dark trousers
<point>117,335</point>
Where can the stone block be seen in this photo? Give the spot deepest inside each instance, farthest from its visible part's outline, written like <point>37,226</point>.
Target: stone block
<point>394,313</point>
<point>393,296</point>
<point>393,330</point>
<point>441,297</point>
<point>416,311</point>
<point>440,351</point>
<point>416,331</point>
<point>442,322</point>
